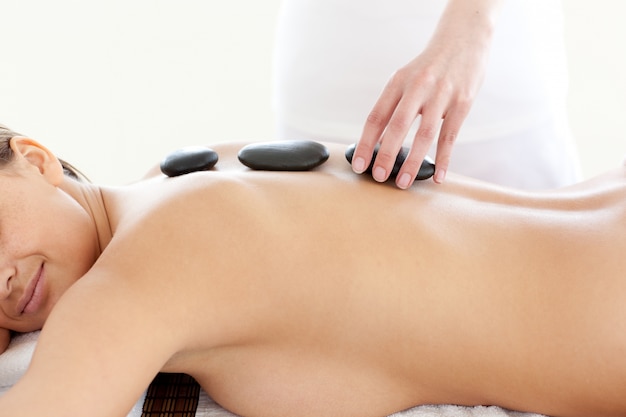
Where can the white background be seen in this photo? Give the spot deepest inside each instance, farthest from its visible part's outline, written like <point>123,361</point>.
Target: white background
<point>113,86</point>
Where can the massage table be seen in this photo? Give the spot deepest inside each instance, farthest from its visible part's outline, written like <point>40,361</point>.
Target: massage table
<point>178,395</point>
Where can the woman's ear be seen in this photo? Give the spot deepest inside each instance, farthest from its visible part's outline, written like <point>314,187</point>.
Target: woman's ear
<point>40,157</point>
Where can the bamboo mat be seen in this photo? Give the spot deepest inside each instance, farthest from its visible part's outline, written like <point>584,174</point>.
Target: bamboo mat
<point>171,395</point>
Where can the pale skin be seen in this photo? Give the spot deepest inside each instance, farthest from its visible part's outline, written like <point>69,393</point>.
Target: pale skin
<point>314,293</point>
<point>439,84</point>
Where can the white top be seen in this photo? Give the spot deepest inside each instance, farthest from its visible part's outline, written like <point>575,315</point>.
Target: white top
<point>333,57</point>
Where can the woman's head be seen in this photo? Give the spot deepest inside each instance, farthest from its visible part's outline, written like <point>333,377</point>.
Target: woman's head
<point>6,154</point>
<point>48,238</point>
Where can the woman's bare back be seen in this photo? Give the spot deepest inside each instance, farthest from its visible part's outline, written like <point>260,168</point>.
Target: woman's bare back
<point>329,294</point>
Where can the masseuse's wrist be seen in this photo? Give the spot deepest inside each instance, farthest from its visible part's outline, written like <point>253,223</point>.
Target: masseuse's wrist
<point>474,20</point>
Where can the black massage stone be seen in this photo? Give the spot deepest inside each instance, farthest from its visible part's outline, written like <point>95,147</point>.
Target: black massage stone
<point>189,159</point>
<point>294,155</point>
<point>427,169</point>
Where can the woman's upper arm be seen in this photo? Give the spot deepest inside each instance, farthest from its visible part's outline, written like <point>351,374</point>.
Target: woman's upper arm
<point>98,351</point>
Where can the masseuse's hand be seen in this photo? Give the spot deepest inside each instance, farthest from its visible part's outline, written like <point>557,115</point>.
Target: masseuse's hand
<point>440,85</point>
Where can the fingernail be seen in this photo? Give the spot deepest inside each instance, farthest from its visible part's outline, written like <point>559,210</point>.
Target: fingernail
<point>403,181</point>
<point>440,175</point>
<point>379,174</point>
<point>359,165</point>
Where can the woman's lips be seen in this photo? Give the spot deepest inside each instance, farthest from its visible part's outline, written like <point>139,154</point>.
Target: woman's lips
<point>33,294</point>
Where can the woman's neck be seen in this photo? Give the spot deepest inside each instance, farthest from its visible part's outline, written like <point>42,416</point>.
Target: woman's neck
<point>89,197</point>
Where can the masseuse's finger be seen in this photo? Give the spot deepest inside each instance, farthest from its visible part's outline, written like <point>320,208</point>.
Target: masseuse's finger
<point>424,137</point>
<point>400,104</point>
<point>447,137</point>
<point>391,141</point>
<point>374,127</point>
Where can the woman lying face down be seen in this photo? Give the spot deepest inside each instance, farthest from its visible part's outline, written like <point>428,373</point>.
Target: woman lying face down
<point>312,293</point>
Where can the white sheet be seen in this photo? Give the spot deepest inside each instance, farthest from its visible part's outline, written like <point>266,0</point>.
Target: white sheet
<point>208,408</point>
<point>14,362</point>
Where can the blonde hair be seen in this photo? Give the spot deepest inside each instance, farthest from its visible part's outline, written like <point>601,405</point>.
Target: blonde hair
<point>6,154</point>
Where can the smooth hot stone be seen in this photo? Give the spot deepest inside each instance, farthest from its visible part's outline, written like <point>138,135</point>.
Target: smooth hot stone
<point>292,155</point>
<point>189,159</point>
<point>427,169</point>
